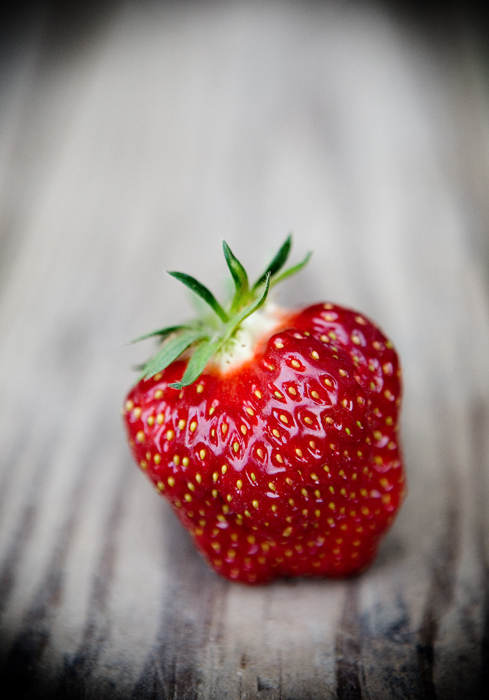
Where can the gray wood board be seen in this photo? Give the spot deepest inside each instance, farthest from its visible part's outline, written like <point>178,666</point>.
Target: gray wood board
<point>137,148</point>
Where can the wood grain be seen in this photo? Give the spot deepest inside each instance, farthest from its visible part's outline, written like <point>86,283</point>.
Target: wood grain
<point>132,142</point>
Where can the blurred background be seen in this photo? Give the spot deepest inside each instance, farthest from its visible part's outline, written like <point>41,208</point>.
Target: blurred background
<point>134,137</point>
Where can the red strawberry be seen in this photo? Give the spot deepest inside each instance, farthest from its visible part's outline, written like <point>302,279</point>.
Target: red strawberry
<point>273,433</point>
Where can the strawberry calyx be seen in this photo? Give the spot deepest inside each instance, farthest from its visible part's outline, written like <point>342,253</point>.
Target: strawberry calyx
<point>206,338</point>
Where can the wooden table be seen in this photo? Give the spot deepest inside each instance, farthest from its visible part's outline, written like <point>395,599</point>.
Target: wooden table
<point>133,143</point>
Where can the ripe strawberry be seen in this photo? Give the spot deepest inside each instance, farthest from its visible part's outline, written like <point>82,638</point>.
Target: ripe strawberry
<point>273,433</point>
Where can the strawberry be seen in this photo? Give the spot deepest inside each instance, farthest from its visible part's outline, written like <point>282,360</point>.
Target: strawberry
<point>272,433</point>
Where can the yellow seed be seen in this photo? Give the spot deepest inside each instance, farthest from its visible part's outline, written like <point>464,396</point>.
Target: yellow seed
<point>389,420</point>
<point>216,546</point>
<point>317,493</point>
<point>332,505</point>
<point>330,521</point>
<point>176,460</point>
<point>171,481</point>
<point>287,532</point>
<point>274,508</point>
<point>279,458</point>
<point>283,418</point>
<point>378,460</point>
<point>225,509</point>
<point>239,484</point>
<point>258,394</point>
<point>272,486</point>
<point>215,477</point>
<point>314,395</point>
<point>202,453</point>
<point>259,452</point>
<point>253,476</point>
<point>244,429</point>
<point>325,467</point>
<point>143,464</point>
<point>255,504</point>
<point>328,382</point>
<point>317,513</point>
<point>188,497</point>
<point>157,459</point>
<point>247,513</point>
<point>291,501</point>
<point>304,492</point>
<point>224,468</point>
<point>292,391</point>
<point>200,388</point>
<point>151,420</point>
<point>276,432</point>
<point>221,518</point>
<point>158,394</point>
<point>250,411</point>
<point>181,424</point>
<point>140,436</point>
<point>314,476</point>
<point>295,363</point>
<point>298,452</point>
<point>190,486</point>
<point>314,355</point>
<point>279,344</point>
<point>308,420</point>
<point>265,546</point>
<point>170,434</point>
<point>229,498</point>
<point>236,446</point>
<point>365,510</point>
<point>212,410</point>
<point>278,394</point>
<point>185,461</point>
<point>312,444</point>
<point>324,339</point>
<point>160,486</point>
<point>193,426</point>
<point>364,493</point>
<point>389,395</point>
<point>214,493</point>
<point>231,554</point>
<point>224,428</point>
<point>129,406</point>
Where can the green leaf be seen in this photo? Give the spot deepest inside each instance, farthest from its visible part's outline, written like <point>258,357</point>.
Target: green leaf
<point>201,356</point>
<point>170,351</point>
<point>292,270</point>
<point>247,311</point>
<point>202,292</point>
<point>277,263</point>
<point>208,348</point>
<point>162,333</point>
<point>239,276</point>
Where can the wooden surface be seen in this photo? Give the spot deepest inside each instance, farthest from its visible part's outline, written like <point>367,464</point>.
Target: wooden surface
<point>134,140</point>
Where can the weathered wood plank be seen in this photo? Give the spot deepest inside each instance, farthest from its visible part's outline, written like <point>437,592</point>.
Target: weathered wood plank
<point>162,130</point>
